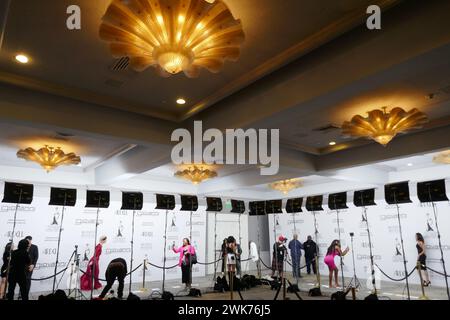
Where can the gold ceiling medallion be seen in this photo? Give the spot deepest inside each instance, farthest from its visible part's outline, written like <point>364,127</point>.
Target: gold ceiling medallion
<point>383,126</point>
<point>172,35</point>
<point>196,173</point>
<point>285,186</point>
<point>442,158</point>
<point>49,157</point>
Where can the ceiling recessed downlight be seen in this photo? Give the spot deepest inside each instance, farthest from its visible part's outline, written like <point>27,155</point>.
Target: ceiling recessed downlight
<point>22,58</point>
<point>332,143</point>
<point>181,101</point>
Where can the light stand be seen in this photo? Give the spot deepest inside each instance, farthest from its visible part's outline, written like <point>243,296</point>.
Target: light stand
<point>189,203</point>
<point>17,193</point>
<point>392,197</point>
<point>435,191</point>
<point>214,205</point>
<point>132,201</point>
<point>96,199</point>
<point>258,208</point>
<point>362,199</point>
<point>76,261</point>
<point>167,202</point>
<point>314,204</point>
<point>61,197</point>
<point>293,206</point>
<point>354,283</point>
<point>339,201</point>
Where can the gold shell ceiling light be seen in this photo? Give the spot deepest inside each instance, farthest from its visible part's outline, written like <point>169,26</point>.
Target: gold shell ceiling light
<point>196,173</point>
<point>383,126</point>
<point>49,157</point>
<point>442,158</point>
<point>285,186</point>
<point>172,35</point>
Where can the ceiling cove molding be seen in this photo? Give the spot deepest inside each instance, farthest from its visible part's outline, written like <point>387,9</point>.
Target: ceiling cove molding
<point>328,33</point>
<point>84,96</point>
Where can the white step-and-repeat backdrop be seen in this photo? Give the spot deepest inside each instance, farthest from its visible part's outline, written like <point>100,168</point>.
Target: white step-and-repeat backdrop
<point>42,222</point>
<point>386,244</point>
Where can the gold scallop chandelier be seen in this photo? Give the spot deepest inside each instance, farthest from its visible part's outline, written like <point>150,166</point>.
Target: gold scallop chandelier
<point>196,173</point>
<point>383,126</point>
<point>49,157</point>
<point>172,35</point>
<point>442,158</point>
<point>285,186</point>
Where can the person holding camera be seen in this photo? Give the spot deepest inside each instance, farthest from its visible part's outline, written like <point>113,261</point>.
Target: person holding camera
<point>279,253</point>
<point>187,259</point>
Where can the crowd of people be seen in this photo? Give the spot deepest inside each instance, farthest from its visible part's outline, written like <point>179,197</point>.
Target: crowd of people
<point>19,263</point>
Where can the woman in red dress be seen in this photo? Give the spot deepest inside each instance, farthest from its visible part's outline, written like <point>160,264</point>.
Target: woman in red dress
<point>86,279</point>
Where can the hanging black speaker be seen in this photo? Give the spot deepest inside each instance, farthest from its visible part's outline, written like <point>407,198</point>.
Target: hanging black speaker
<point>63,197</point>
<point>18,193</point>
<point>432,191</point>
<point>294,205</point>
<point>189,203</point>
<point>165,201</point>
<point>213,204</point>
<point>132,201</point>
<point>97,199</point>
<point>257,208</point>
<point>337,201</point>
<point>364,198</point>
<point>274,206</point>
<point>314,203</point>
<point>397,193</point>
<point>237,206</point>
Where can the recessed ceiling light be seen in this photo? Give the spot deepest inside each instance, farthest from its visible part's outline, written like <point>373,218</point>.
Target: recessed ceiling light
<point>181,101</point>
<point>22,58</point>
<point>409,164</point>
<point>332,143</point>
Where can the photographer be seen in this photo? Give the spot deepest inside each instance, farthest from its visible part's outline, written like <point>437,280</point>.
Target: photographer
<point>279,253</point>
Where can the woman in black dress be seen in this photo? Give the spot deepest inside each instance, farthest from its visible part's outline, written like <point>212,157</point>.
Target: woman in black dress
<point>422,259</point>
<point>4,268</point>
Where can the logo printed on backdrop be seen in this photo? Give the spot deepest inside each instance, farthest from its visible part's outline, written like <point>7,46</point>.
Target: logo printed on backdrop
<point>109,251</point>
<point>147,223</point>
<point>362,257</point>
<point>393,229</point>
<point>18,221</point>
<point>445,247</point>
<point>146,245</point>
<point>87,221</point>
<point>87,252</point>
<point>147,234</point>
<point>17,234</point>
<point>430,222</point>
<point>397,256</point>
<point>147,213</point>
<point>88,234</point>
<point>300,221</point>
<point>385,217</point>
<point>7,208</point>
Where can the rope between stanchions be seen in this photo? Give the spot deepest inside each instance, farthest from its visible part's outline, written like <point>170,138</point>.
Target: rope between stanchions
<point>159,267</point>
<point>437,272</point>
<point>50,277</point>
<point>393,279</point>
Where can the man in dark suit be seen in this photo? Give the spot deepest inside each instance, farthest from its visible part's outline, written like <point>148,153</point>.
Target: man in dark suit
<point>117,269</point>
<point>33,252</point>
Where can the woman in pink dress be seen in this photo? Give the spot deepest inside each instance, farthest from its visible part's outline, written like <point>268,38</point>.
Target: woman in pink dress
<point>186,252</point>
<point>86,279</point>
<point>334,250</point>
